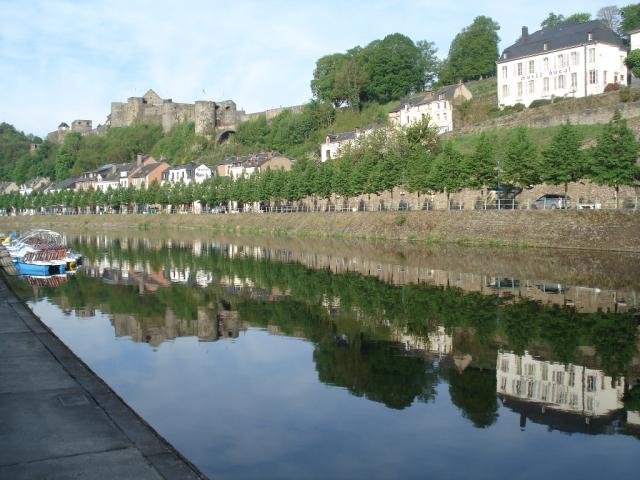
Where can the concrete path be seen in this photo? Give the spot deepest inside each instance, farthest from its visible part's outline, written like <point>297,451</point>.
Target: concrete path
<point>58,420</point>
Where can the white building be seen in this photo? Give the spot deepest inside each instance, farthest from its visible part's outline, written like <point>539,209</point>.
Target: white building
<point>335,143</point>
<point>187,173</point>
<point>572,60</point>
<point>556,386</point>
<point>116,176</point>
<point>437,106</point>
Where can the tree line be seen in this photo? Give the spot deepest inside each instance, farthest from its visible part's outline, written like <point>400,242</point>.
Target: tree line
<point>414,158</point>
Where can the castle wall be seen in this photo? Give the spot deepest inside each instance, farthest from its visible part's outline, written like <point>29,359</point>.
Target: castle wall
<point>205,117</point>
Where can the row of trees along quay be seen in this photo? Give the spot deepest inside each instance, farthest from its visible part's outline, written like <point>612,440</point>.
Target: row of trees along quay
<point>413,158</point>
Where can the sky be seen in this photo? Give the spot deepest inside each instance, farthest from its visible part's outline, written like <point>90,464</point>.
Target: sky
<point>67,60</point>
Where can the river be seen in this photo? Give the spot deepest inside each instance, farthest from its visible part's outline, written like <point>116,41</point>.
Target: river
<point>283,358</point>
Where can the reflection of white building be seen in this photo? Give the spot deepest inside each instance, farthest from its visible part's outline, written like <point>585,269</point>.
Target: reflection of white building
<point>571,60</point>
<point>438,342</point>
<point>568,388</point>
<point>177,275</point>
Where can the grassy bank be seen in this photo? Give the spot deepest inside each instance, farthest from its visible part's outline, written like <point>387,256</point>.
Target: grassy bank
<point>594,230</point>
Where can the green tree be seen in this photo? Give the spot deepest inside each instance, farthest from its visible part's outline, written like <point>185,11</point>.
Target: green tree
<point>614,159</point>
<point>395,68</point>
<point>521,162</point>
<point>481,164</point>
<point>554,20</point>
<point>323,84</point>
<point>633,62</point>
<point>447,171</point>
<point>630,18</point>
<point>430,63</point>
<point>473,52</point>
<point>563,157</point>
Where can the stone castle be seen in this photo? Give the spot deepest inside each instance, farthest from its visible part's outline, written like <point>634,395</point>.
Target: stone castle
<point>212,119</point>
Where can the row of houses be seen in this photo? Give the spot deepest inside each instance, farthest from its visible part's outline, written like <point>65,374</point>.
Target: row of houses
<point>146,170</point>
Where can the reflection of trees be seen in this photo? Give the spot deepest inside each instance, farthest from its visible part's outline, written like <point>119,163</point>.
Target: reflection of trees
<point>378,370</point>
<point>473,391</point>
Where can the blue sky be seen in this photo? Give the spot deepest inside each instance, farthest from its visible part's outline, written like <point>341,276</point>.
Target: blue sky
<point>66,60</point>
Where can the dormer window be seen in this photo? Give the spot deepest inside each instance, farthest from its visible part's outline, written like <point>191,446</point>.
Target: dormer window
<point>545,47</point>
<point>590,36</point>
<point>504,55</point>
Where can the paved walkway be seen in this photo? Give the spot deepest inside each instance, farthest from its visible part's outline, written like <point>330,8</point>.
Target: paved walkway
<point>58,420</point>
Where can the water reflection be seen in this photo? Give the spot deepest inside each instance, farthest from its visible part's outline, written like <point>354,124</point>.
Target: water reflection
<point>560,355</point>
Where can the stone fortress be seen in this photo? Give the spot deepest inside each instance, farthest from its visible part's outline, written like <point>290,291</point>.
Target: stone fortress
<point>211,119</point>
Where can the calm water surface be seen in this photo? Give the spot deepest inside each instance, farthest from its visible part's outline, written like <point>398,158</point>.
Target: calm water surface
<point>263,362</point>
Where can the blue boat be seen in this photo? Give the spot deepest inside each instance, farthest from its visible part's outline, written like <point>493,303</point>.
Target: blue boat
<point>39,268</point>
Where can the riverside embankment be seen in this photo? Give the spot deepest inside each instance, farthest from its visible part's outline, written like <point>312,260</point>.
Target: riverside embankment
<point>608,230</point>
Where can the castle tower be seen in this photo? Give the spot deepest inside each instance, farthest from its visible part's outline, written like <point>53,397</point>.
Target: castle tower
<point>205,117</point>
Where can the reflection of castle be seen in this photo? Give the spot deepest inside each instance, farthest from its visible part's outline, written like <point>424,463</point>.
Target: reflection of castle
<point>209,326</point>
<point>554,386</point>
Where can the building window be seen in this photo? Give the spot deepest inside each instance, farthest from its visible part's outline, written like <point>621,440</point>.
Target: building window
<point>444,116</point>
<point>545,85</point>
<point>621,78</point>
<point>519,69</point>
<point>328,154</point>
<point>593,77</point>
<point>561,83</point>
<point>592,55</point>
<point>591,383</point>
<point>560,61</point>
<point>575,59</point>
<point>505,90</point>
<point>532,67</point>
<point>519,89</point>
<point>604,77</point>
<point>545,63</point>
<point>590,36</point>
<point>545,47</point>
<point>504,72</point>
<point>531,87</point>
<point>574,80</point>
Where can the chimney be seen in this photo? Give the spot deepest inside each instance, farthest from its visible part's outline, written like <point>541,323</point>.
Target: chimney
<point>269,154</point>
<point>139,159</point>
<point>525,33</point>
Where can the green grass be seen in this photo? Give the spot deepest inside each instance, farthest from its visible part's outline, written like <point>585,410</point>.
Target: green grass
<point>483,88</point>
<point>541,136</point>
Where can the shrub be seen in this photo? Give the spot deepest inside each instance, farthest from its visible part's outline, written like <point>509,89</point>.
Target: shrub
<point>611,87</point>
<point>559,99</point>
<point>401,220</point>
<point>540,102</point>
<point>625,94</point>
<point>518,107</point>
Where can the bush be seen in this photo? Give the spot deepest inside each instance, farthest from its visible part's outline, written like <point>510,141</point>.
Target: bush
<point>625,94</point>
<point>611,87</point>
<point>559,99</point>
<point>400,220</point>
<point>518,107</point>
<point>540,102</point>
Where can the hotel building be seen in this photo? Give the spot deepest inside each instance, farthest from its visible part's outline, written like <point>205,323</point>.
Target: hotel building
<point>572,60</point>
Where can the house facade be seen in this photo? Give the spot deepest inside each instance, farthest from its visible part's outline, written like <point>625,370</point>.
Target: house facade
<point>117,176</point>
<point>187,173</point>
<point>335,143</point>
<point>8,187</point>
<point>245,166</point>
<point>146,174</point>
<point>437,106</point>
<point>34,185</point>
<point>573,60</point>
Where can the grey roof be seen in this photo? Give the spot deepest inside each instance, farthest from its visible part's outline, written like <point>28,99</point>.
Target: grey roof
<point>145,170</point>
<point>562,36</point>
<point>63,125</point>
<point>341,137</point>
<point>185,166</point>
<point>413,101</point>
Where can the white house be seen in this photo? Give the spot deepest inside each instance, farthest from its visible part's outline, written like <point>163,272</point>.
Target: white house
<point>572,60</point>
<point>187,173</point>
<point>437,106</point>
<point>116,176</point>
<point>556,386</point>
<point>335,143</point>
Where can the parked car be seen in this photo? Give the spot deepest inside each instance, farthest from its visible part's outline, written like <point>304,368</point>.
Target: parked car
<point>552,201</point>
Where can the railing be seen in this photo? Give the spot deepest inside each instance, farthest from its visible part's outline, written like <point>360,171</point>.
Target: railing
<point>627,204</point>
